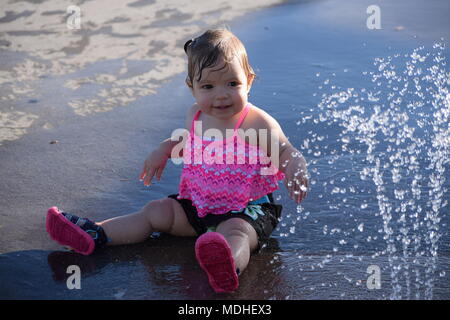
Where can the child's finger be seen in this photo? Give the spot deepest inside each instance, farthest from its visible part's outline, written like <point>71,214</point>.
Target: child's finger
<point>302,190</point>
<point>160,171</point>
<point>296,193</point>
<point>293,192</point>
<point>299,194</point>
<point>291,186</point>
<point>143,173</point>
<point>297,197</point>
<point>150,174</point>
<point>291,189</point>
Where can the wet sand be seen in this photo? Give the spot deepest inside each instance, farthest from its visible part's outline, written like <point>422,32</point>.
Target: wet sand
<point>76,128</point>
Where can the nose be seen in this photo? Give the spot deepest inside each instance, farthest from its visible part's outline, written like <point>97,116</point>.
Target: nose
<point>222,93</point>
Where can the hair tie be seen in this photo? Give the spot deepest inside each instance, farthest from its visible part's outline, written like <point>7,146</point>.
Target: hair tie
<point>189,42</point>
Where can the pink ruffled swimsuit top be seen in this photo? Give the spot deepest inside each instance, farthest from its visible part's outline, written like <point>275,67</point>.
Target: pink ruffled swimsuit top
<point>223,175</point>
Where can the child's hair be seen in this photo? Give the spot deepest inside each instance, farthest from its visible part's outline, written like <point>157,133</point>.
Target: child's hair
<point>205,50</point>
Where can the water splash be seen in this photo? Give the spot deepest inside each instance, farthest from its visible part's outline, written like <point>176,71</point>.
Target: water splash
<point>392,137</point>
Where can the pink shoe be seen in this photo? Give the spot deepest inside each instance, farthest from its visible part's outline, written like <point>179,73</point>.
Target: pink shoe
<point>214,256</point>
<point>67,233</point>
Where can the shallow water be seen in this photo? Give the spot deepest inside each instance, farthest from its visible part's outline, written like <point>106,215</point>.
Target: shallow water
<point>348,217</point>
<point>321,252</point>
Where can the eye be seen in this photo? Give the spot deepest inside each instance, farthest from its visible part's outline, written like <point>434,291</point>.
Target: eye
<point>234,83</point>
<point>207,86</point>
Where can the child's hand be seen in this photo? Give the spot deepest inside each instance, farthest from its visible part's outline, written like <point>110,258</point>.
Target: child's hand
<point>296,179</point>
<point>153,165</point>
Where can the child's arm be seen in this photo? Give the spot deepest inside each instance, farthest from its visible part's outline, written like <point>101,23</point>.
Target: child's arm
<point>290,161</point>
<point>296,172</point>
<point>156,161</point>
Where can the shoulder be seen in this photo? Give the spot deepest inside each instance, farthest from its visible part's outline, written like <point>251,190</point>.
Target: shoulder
<point>190,114</point>
<point>258,119</point>
<point>267,128</point>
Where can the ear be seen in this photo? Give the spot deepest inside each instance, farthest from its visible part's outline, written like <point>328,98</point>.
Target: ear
<point>189,84</point>
<point>250,79</point>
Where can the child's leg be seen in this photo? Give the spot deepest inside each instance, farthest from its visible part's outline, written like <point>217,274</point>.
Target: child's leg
<point>83,235</point>
<point>241,238</point>
<point>225,253</point>
<point>163,215</point>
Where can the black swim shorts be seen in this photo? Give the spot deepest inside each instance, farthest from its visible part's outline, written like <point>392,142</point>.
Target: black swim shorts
<point>263,217</point>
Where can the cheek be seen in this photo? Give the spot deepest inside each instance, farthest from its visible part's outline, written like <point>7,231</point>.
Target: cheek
<point>201,97</point>
<point>241,94</point>
<point>243,90</point>
<point>203,102</point>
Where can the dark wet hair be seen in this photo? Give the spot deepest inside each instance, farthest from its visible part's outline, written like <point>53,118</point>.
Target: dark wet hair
<point>205,51</point>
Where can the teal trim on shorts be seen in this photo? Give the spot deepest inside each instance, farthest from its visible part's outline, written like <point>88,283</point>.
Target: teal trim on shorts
<point>263,199</point>
<point>250,211</point>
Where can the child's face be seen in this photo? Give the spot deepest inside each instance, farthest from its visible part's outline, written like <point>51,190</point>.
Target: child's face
<point>222,93</point>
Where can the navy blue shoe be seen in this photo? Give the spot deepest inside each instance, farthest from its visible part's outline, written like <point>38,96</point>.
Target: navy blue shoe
<point>94,230</point>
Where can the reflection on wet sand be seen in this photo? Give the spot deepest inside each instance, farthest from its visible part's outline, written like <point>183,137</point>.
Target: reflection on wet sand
<point>166,268</point>
<point>158,268</point>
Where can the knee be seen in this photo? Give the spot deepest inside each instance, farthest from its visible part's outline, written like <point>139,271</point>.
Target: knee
<point>239,229</point>
<point>155,207</point>
<point>160,214</point>
<point>236,227</point>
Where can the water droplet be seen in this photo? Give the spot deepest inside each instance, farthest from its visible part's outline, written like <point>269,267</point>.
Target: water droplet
<point>361,227</point>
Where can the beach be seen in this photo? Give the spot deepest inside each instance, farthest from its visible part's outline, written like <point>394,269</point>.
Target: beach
<point>81,107</point>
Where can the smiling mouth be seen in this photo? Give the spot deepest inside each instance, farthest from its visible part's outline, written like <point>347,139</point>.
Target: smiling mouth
<point>223,107</point>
